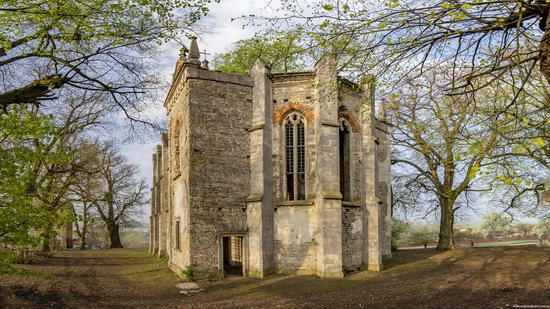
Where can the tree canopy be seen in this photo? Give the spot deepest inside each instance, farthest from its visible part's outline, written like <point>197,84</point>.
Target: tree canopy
<point>282,52</point>
<point>96,45</point>
<point>478,38</point>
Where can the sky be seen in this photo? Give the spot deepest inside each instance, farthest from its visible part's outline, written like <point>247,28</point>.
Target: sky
<point>220,32</point>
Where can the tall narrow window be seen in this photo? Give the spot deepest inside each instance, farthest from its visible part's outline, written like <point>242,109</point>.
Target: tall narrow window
<point>177,238</point>
<point>345,160</point>
<point>295,156</point>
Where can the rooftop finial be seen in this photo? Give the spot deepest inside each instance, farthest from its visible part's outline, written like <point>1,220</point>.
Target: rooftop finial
<point>183,52</point>
<point>194,53</point>
<point>204,61</point>
<point>205,64</point>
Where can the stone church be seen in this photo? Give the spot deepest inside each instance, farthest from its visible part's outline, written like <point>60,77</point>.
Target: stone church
<point>271,173</point>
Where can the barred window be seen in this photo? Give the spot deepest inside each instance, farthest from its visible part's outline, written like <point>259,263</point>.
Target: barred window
<point>295,157</point>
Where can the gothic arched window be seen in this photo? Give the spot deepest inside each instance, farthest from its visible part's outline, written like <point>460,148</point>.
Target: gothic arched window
<point>295,157</point>
<point>345,160</point>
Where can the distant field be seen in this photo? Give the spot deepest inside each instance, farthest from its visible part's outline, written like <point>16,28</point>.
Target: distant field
<point>508,243</point>
<point>488,277</point>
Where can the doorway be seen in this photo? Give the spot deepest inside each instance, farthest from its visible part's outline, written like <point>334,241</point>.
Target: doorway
<point>232,248</point>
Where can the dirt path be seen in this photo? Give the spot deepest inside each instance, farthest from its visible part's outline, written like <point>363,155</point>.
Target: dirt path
<point>93,279</point>
<point>466,278</point>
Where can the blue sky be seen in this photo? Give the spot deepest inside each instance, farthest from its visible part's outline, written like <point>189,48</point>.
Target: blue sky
<point>219,33</point>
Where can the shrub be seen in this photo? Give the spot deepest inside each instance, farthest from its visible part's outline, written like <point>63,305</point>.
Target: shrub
<point>423,235</point>
<point>398,229</point>
<point>189,273</point>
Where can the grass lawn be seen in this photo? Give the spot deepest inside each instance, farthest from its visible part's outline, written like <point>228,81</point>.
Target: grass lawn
<point>508,243</point>
<point>491,277</point>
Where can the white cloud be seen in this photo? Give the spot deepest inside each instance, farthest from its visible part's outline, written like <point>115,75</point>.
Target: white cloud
<point>221,33</point>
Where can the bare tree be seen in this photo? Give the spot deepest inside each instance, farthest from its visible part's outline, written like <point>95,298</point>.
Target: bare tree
<point>443,142</point>
<point>120,195</point>
<point>522,171</point>
<point>496,222</point>
<point>480,39</point>
<point>83,191</point>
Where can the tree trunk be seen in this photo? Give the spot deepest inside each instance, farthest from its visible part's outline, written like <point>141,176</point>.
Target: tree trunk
<point>114,235</point>
<point>544,48</point>
<point>69,236</point>
<point>46,239</point>
<point>446,225</point>
<point>45,248</point>
<point>82,242</point>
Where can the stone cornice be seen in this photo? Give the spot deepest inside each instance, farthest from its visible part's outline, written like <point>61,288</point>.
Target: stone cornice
<point>194,71</point>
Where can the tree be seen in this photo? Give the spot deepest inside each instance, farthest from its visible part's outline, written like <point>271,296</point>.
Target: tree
<point>495,222</point>
<point>443,143</point>
<point>41,159</point>
<point>423,235</point>
<point>467,234</point>
<point>480,39</point>
<point>83,192</point>
<point>120,194</point>
<point>97,45</point>
<point>522,228</point>
<point>53,180</point>
<point>398,229</point>
<point>521,168</point>
<point>281,51</point>
<point>543,231</point>
<point>21,162</point>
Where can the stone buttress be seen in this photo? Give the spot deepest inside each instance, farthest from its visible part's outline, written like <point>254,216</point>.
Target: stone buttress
<point>272,173</point>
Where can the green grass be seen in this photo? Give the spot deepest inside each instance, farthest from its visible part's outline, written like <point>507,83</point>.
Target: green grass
<point>508,243</point>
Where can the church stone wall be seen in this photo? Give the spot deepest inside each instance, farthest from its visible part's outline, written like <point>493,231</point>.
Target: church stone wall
<point>179,150</point>
<point>225,172</point>
<point>352,238</point>
<point>218,166</point>
<point>295,245</point>
<point>384,184</point>
<point>291,91</point>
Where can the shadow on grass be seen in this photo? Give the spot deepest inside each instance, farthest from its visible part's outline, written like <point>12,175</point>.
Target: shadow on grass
<point>409,256</point>
<point>297,286</point>
<point>427,278</point>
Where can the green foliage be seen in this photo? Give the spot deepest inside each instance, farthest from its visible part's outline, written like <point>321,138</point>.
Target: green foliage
<point>543,229</point>
<point>24,137</point>
<point>466,234</point>
<point>133,238</point>
<point>94,45</point>
<point>521,228</point>
<point>76,24</point>
<point>280,50</point>
<point>189,273</point>
<point>423,235</point>
<point>7,257</point>
<point>495,222</point>
<point>398,229</point>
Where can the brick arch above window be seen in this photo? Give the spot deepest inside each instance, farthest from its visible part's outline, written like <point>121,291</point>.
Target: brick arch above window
<point>353,121</point>
<point>176,126</point>
<point>280,114</point>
